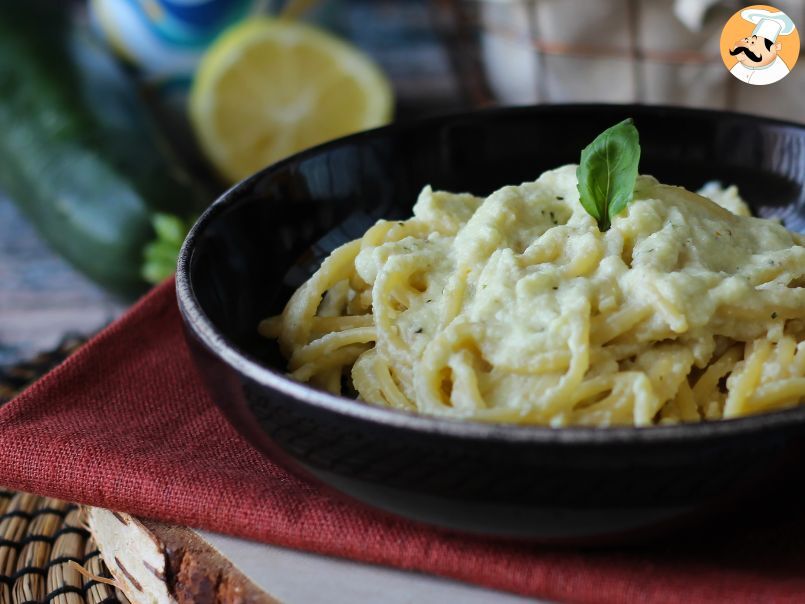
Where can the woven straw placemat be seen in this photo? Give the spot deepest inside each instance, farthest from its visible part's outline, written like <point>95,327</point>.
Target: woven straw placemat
<point>42,538</point>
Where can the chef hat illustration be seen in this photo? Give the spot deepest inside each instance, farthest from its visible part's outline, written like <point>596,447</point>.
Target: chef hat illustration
<point>769,25</point>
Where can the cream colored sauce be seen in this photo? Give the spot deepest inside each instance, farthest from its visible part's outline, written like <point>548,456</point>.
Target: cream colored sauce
<point>516,268</point>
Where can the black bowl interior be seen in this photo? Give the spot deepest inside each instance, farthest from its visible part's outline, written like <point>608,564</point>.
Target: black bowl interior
<point>265,236</point>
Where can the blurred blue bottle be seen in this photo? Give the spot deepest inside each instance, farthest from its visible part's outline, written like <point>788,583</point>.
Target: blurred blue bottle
<point>165,39</point>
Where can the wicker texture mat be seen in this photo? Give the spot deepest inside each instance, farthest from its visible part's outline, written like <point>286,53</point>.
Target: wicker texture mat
<point>40,537</point>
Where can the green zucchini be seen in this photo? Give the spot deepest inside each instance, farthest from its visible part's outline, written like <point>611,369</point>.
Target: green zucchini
<point>79,152</point>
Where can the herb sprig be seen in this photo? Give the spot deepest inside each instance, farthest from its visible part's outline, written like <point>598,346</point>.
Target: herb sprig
<point>607,172</point>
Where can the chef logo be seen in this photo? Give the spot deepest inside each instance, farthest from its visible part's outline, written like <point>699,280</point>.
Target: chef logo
<point>759,45</point>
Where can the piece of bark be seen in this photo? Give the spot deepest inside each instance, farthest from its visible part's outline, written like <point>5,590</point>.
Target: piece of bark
<point>154,562</point>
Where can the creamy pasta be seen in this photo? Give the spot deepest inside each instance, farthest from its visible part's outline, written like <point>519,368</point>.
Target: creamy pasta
<point>516,308</point>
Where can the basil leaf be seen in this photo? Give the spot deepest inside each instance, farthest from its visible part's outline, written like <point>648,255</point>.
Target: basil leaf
<point>607,172</point>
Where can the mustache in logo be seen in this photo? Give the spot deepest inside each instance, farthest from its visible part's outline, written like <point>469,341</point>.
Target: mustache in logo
<point>752,56</point>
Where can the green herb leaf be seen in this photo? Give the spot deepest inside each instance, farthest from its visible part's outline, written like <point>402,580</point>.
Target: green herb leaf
<point>169,227</point>
<point>607,172</point>
<point>160,254</point>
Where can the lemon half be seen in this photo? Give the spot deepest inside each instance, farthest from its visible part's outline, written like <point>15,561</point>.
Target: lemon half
<point>268,88</point>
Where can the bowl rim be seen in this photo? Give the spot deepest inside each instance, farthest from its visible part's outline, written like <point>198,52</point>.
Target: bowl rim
<point>245,364</point>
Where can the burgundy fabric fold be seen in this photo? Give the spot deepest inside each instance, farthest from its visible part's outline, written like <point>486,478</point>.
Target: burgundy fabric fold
<point>126,423</point>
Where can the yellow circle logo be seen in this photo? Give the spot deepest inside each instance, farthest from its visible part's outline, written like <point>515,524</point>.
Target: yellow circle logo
<point>760,45</point>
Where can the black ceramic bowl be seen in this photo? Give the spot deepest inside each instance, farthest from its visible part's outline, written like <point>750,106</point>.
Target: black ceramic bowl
<point>258,242</point>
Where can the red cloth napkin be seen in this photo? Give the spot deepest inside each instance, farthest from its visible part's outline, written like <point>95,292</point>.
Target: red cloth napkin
<point>125,423</point>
